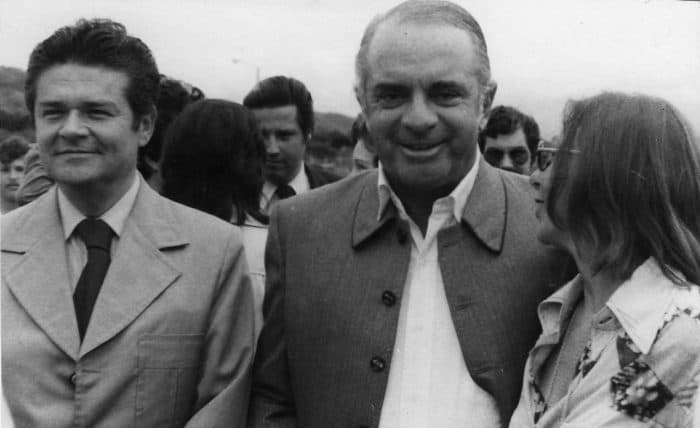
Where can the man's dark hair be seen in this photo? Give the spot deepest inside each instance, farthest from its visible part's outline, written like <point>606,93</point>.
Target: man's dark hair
<point>99,43</point>
<point>12,148</point>
<point>280,91</point>
<point>505,120</point>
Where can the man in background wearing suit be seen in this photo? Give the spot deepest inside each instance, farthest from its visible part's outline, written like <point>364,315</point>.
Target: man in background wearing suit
<point>283,109</point>
<point>119,307</point>
<point>410,299</point>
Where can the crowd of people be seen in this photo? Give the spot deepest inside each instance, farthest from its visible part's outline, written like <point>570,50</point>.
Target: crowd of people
<point>170,259</point>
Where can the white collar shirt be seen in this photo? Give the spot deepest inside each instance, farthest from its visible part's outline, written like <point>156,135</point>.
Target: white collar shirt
<point>300,184</point>
<point>429,384</point>
<point>115,217</point>
<point>636,314</point>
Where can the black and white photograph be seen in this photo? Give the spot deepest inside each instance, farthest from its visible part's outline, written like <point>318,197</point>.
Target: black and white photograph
<point>333,213</point>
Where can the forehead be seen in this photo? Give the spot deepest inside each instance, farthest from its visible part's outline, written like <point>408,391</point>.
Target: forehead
<point>507,141</point>
<point>284,117</point>
<point>71,83</point>
<point>421,52</point>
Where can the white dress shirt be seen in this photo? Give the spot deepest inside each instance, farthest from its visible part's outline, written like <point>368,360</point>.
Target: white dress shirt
<point>429,384</point>
<point>115,217</point>
<point>300,184</point>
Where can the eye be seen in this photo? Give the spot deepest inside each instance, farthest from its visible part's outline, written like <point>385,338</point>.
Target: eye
<point>51,113</point>
<point>493,156</point>
<point>97,113</point>
<point>389,97</point>
<point>446,95</point>
<point>285,136</point>
<point>519,156</point>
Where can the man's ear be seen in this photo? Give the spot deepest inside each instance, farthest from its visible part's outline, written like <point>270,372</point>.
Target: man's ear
<point>146,126</point>
<point>487,97</point>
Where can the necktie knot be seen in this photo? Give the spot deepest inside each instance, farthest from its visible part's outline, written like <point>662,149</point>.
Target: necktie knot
<point>284,191</point>
<point>95,233</point>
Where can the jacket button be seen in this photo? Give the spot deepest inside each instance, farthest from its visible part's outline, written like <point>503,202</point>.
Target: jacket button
<point>73,378</point>
<point>401,235</point>
<point>377,364</point>
<point>388,298</point>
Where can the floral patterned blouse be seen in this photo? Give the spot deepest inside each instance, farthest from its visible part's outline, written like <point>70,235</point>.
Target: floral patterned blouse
<point>644,348</point>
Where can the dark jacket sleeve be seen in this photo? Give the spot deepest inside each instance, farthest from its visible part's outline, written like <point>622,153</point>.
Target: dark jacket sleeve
<point>271,401</point>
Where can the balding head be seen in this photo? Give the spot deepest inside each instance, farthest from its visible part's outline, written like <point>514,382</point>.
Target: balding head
<point>428,12</point>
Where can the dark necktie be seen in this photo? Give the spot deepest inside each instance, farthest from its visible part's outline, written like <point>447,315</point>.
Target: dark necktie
<point>284,191</point>
<point>97,236</point>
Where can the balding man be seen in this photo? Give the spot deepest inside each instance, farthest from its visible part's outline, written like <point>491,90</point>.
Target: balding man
<point>409,300</point>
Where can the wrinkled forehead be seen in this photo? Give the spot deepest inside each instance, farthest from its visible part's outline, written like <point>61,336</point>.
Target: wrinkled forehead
<point>409,47</point>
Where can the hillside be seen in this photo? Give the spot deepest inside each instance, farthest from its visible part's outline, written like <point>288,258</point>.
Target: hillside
<point>328,122</point>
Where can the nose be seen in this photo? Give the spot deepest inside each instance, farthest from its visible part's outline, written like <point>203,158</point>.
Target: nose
<point>16,174</point>
<point>419,117</point>
<point>73,126</point>
<point>507,162</point>
<point>272,146</point>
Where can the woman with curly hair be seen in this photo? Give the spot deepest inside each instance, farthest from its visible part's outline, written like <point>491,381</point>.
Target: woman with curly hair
<point>620,343</point>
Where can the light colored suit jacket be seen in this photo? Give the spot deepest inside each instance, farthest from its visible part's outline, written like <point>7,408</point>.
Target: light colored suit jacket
<point>335,277</point>
<point>170,338</point>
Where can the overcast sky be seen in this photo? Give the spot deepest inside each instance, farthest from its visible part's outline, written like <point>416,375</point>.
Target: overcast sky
<point>542,51</point>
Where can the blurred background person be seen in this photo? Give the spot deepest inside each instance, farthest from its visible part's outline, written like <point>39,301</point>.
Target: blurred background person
<point>620,342</point>
<point>12,151</point>
<point>35,181</point>
<point>509,140</point>
<point>284,111</point>
<point>212,161</point>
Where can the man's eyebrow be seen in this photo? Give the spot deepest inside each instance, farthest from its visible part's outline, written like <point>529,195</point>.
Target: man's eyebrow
<point>87,104</point>
<point>388,86</point>
<point>51,104</point>
<point>450,84</point>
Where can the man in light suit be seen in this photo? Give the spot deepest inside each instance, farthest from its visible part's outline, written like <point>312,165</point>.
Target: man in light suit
<point>119,307</point>
<point>410,299</point>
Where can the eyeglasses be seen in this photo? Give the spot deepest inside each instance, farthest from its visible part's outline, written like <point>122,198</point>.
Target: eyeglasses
<point>545,155</point>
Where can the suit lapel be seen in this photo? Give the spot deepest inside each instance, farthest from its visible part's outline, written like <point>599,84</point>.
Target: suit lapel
<point>365,223</point>
<point>139,272</point>
<point>40,280</point>
<point>486,208</point>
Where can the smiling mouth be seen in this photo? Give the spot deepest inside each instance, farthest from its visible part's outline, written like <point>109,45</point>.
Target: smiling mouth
<point>421,147</point>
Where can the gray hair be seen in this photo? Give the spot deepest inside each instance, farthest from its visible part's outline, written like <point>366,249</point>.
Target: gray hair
<point>424,12</point>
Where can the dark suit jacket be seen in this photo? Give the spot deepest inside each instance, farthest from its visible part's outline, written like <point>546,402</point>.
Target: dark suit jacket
<point>170,339</point>
<point>318,176</point>
<point>324,354</point>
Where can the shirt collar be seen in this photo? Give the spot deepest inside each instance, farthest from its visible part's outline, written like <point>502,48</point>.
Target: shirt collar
<point>641,302</point>
<point>300,184</point>
<point>115,217</point>
<point>555,311</point>
<point>458,196</point>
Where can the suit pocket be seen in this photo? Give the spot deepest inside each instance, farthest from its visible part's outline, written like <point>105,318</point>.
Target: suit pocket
<point>168,370</point>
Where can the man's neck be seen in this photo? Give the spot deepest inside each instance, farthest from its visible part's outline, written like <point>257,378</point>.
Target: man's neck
<point>418,204</point>
<point>95,199</point>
